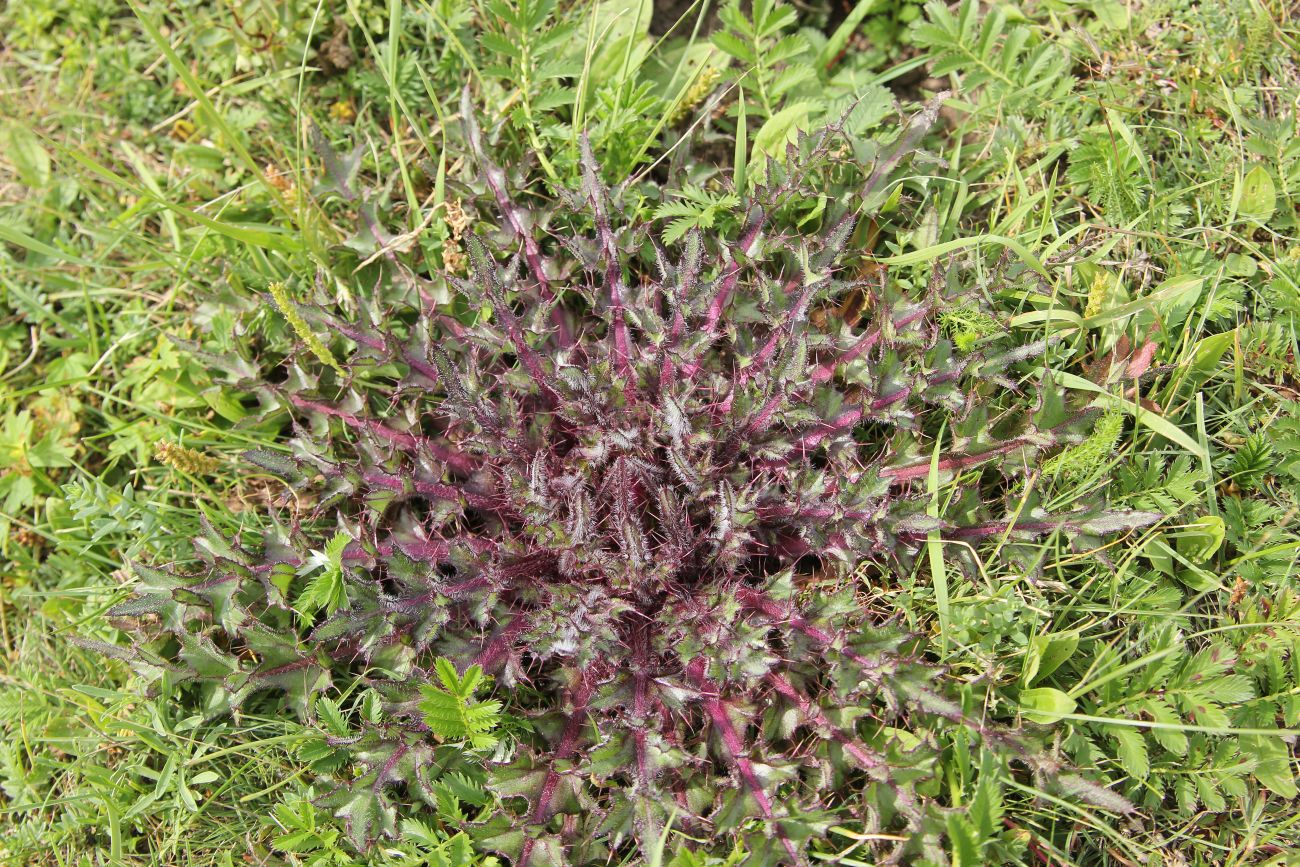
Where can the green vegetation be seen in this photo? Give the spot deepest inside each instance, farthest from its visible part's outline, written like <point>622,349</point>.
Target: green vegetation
<point>207,210</point>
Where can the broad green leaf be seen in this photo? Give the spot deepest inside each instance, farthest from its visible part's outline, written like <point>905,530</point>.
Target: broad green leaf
<point>1272,764</point>
<point>367,815</point>
<point>451,712</point>
<point>772,136</point>
<point>621,40</point>
<point>1240,265</point>
<point>1209,350</point>
<point>1112,14</point>
<point>50,453</point>
<point>938,251</point>
<point>274,462</point>
<point>1046,654</point>
<point>1258,195</point>
<point>986,807</point>
<point>28,155</point>
<point>1168,737</point>
<point>934,546</point>
<point>1170,304</point>
<point>733,46</point>
<point>1045,705</point>
<point>328,588</point>
<point>1200,539</point>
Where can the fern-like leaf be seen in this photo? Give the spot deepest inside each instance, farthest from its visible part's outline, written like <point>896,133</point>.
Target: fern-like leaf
<point>327,589</point>
<point>1252,461</point>
<point>451,712</point>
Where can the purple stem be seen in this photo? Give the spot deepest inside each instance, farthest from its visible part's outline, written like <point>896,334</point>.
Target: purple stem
<point>815,715</point>
<point>641,703</point>
<point>764,417</point>
<point>496,181</point>
<point>580,695</point>
<point>455,460</point>
<point>382,776</point>
<point>355,335</point>
<point>422,367</point>
<point>717,711</point>
<point>773,610</point>
<point>668,369</point>
<point>495,651</point>
<point>774,339</point>
<point>952,462</point>
<point>284,669</point>
<point>825,371</point>
<point>726,283</point>
<point>841,423</point>
<point>890,399</point>
<point>434,550</point>
<point>613,272</point>
<point>437,490</point>
<point>987,530</point>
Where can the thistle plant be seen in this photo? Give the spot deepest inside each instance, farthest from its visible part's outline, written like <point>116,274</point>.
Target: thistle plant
<point>650,493</point>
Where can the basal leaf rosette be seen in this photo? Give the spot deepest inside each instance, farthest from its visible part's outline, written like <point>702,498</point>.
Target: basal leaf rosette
<point>656,493</point>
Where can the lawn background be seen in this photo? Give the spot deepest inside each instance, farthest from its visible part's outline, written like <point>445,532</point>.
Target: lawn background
<point>158,172</point>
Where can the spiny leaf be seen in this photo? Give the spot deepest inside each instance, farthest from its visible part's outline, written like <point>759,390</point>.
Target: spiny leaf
<point>621,488</point>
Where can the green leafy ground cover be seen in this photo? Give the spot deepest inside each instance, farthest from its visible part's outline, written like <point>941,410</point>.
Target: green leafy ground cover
<point>1119,181</point>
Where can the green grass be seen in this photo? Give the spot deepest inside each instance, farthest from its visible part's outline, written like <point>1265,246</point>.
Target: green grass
<point>1123,180</point>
